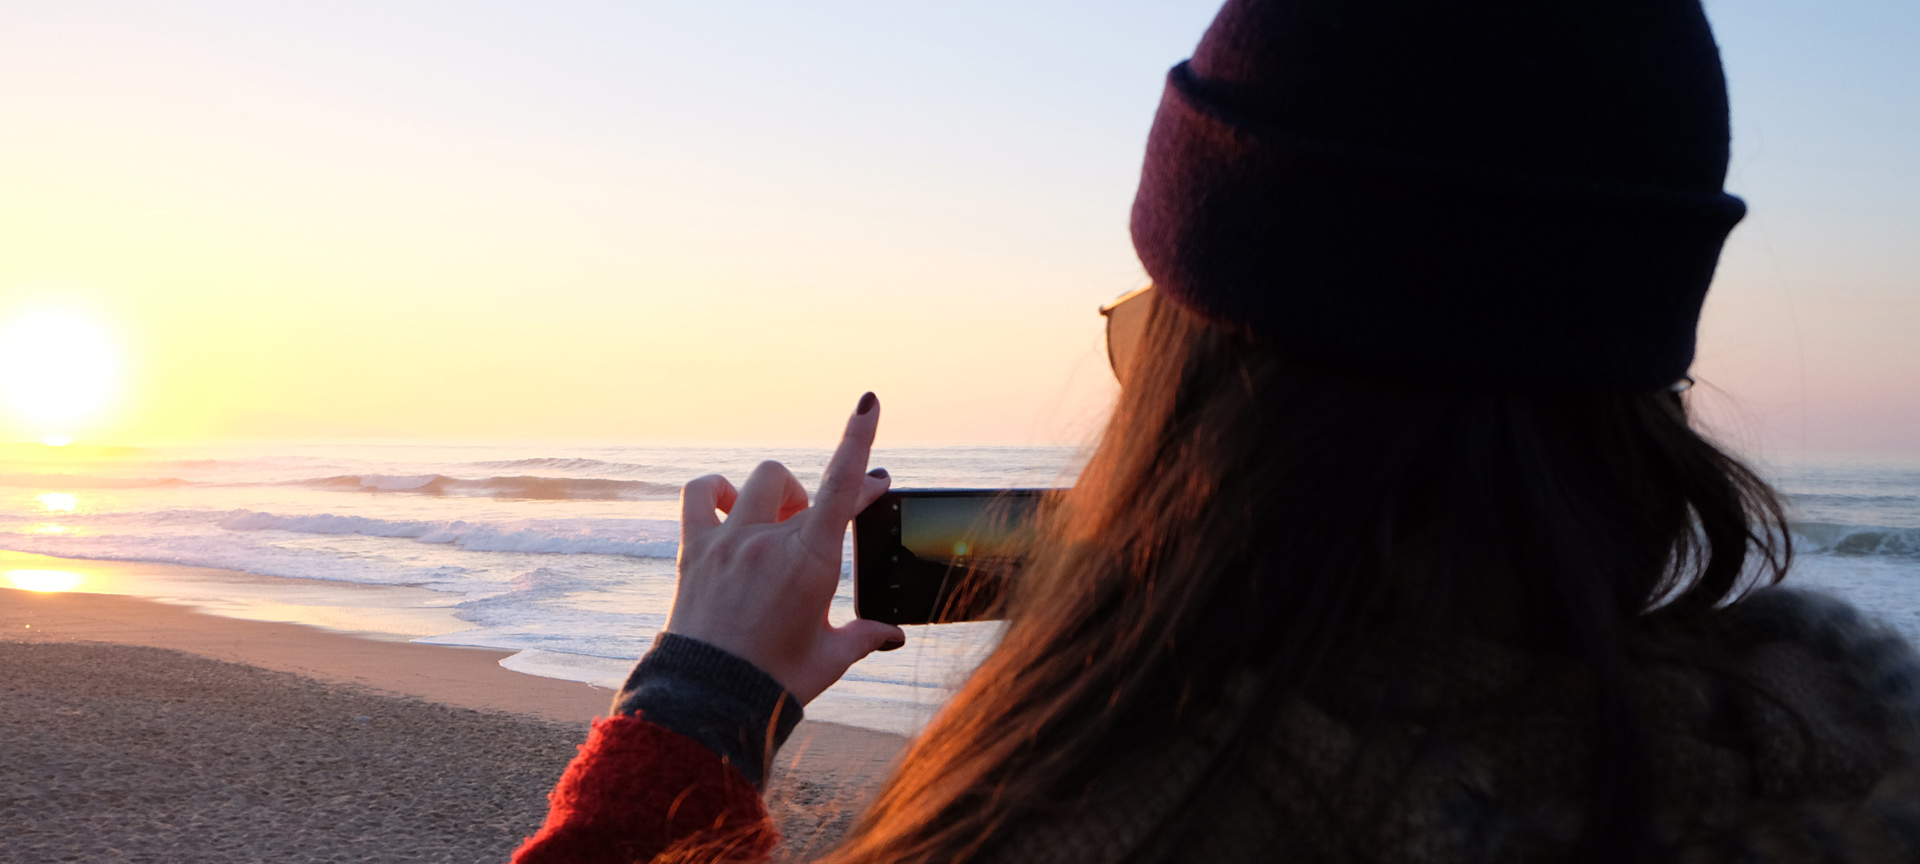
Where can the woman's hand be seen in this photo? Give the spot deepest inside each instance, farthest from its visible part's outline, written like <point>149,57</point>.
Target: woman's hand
<point>759,583</point>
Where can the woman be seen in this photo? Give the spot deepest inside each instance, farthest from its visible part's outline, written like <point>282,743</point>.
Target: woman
<point>1398,546</point>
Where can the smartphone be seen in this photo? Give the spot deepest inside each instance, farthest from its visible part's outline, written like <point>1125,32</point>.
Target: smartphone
<point>938,556</point>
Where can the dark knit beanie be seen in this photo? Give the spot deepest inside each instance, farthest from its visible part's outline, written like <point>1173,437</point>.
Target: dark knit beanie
<point>1478,193</point>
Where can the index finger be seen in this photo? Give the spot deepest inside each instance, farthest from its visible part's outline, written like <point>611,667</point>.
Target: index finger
<point>839,498</point>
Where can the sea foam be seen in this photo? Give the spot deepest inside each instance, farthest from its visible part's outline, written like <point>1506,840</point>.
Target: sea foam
<point>636,538</point>
<point>530,487</point>
<point>1858,540</point>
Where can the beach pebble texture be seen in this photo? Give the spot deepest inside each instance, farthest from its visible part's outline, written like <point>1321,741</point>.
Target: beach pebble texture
<point>115,753</point>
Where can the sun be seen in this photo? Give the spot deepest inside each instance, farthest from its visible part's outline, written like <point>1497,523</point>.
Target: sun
<point>59,371</point>
<point>59,502</point>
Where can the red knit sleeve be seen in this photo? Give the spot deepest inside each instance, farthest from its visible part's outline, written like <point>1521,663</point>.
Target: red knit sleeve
<point>638,792</point>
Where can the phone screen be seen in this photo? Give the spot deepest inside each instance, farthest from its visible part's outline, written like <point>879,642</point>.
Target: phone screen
<point>925,556</point>
<point>970,529</point>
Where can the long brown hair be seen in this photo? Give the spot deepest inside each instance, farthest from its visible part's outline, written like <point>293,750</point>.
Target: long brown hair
<point>1245,512</point>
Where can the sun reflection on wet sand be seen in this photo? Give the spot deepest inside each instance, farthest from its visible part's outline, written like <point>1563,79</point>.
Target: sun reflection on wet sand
<point>384,612</point>
<point>44,581</point>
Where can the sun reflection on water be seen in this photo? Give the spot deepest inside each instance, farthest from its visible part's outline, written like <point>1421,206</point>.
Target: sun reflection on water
<point>45,581</point>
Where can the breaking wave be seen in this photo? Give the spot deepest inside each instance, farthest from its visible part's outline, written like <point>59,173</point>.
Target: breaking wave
<point>520,486</point>
<point>633,538</point>
<point>84,481</point>
<point>563,463</point>
<point>1858,540</point>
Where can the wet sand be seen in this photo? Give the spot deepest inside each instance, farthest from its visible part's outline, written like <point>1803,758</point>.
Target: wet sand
<point>143,731</point>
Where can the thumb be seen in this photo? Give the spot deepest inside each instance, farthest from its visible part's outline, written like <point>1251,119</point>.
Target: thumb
<point>861,637</point>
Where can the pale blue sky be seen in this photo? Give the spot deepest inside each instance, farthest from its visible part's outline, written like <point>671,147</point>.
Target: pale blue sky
<point>415,208</point>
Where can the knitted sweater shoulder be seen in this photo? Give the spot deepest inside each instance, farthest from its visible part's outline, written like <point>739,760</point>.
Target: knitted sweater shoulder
<point>1783,728</point>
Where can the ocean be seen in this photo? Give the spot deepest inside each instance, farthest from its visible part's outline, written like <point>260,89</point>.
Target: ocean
<point>562,553</point>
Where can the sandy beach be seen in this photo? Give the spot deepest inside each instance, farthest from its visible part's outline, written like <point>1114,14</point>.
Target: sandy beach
<point>145,731</point>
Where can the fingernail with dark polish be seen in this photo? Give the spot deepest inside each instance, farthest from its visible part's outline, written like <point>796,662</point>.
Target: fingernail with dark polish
<point>866,403</point>
<point>893,645</point>
<point>878,473</point>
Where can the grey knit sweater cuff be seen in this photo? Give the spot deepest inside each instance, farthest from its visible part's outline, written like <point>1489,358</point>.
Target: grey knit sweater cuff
<point>713,697</point>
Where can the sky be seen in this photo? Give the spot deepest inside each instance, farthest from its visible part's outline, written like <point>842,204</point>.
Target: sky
<point>705,222</point>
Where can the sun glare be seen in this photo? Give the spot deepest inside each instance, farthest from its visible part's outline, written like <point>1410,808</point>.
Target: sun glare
<point>59,502</point>
<point>59,372</point>
<point>45,581</point>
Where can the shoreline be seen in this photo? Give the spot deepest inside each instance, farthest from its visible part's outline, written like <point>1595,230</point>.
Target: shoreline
<point>819,754</point>
<point>449,675</point>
